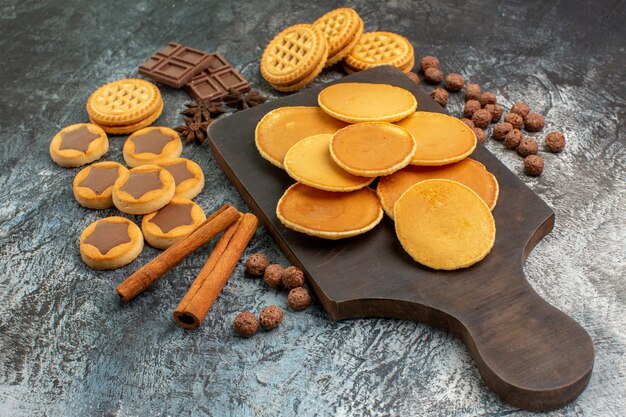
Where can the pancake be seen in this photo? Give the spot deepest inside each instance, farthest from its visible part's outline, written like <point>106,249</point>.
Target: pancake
<point>441,139</point>
<point>329,215</point>
<point>468,172</point>
<point>443,224</point>
<point>363,102</point>
<point>282,128</point>
<point>309,163</point>
<point>372,149</point>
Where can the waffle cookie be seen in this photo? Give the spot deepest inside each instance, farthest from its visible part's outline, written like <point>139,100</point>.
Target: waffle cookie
<point>172,223</point>
<point>152,145</point>
<point>110,243</point>
<point>380,48</point>
<point>441,139</point>
<point>468,172</point>
<point>327,214</point>
<point>309,162</point>
<point>93,185</point>
<point>78,145</point>
<point>294,57</point>
<point>454,227</point>
<point>125,106</point>
<point>342,28</point>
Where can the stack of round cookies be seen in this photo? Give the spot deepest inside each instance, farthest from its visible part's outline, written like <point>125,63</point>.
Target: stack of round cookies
<point>158,185</point>
<point>439,198</point>
<point>297,55</point>
<point>125,106</point>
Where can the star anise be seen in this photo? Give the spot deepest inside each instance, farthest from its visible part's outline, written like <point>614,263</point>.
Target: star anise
<point>243,101</point>
<point>194,129</point>
<point>206,109</point>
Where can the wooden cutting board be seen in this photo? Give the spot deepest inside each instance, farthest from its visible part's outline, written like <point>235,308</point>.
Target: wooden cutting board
<point>527,351</point>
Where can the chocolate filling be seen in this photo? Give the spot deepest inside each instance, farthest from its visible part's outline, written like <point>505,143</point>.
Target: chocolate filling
<point>78,139</point>
<point>106,236</point>
<point>140,183</point>
<point>172,216</point>
<point>152,142</point>
<point>179,171</point>
<point>99,179</point>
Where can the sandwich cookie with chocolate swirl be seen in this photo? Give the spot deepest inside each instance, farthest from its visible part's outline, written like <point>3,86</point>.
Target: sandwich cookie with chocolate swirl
<point>172,223</point>
<point>93,185</point>
<point>188,177</point>
<point>110,243</point>
<point>152,145</point>
<point>143,189</point>
<point>78,145</point>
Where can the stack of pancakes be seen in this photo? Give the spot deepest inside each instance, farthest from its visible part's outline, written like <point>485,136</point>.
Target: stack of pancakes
<point>335,151</point>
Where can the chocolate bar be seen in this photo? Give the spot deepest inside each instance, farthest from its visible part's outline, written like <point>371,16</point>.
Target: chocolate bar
<point>175,64</point>
<point>216,80</point>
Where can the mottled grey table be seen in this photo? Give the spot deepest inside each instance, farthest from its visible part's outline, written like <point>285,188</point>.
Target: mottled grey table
<point>69,347</point>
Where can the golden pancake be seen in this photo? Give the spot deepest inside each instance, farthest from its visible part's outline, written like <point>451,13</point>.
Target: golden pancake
<point>468,172</point>
<point>282,128</point>
<point>441,139</point>
<point>309,162</point>
<point>372,149</point>
<point>443,224</point>
<point>364,102</point>
<point>329,215</point>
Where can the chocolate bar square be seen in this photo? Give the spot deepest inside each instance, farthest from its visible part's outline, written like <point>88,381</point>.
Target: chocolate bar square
<point>216,80</point>
<point>175,64</point>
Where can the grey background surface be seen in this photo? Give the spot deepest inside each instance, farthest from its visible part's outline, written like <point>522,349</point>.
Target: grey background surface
<point>69,347</point>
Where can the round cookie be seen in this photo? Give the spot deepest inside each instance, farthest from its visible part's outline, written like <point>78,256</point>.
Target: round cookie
<point>152,145</point>
<point>309,162</point>
<point>468,172</point>
<point>333,59</point>
<point>78,145</point>
<point>364,102</point>
<point>172,223</point>
<point>93,185</point>
<point>188,177</point>
<point>340,27</point>
<point>110,243</point>
<point>444,225</point>
<point>294,86</point>
<point>143,189</point>
<point>125,129</point>
<point>372,149</point>
<point>327,214</point>
<point>282,128</point>
<point>441,139</point>
<point>293,54</point>
<point>380,48</point>
<point>123,102</point>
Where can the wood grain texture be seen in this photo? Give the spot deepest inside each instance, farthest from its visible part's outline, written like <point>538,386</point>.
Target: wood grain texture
<point>528,352</point>
<point>69,347</point>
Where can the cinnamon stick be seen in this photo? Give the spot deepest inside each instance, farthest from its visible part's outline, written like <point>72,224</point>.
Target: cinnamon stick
<point>196,304</point>
<point>145,276</point>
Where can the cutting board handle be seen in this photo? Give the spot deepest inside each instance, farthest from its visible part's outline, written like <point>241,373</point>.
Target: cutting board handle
<point>530,353</point>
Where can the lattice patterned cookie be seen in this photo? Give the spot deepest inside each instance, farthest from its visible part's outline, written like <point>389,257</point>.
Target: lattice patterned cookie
<point>380,48</point>
<point>341,54</point>
<point>123,102</point>
<point>339,27</point>
<point>293,54</point>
